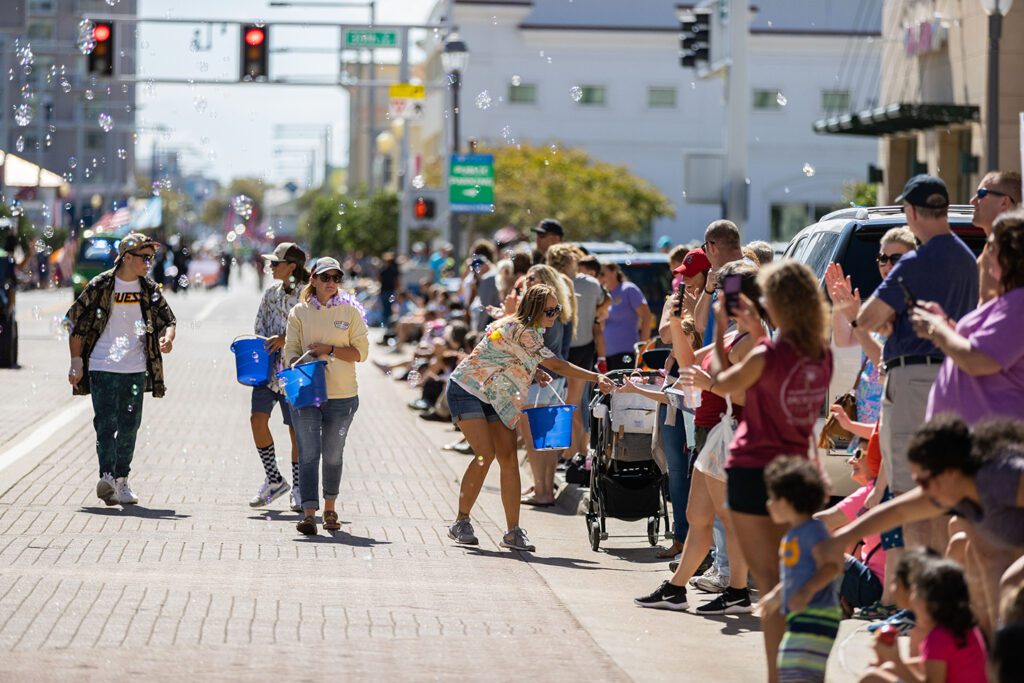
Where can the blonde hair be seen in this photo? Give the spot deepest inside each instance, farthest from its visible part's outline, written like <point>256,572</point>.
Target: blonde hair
<point>565,292</point>
<point>798,307</point>
<point>561,256</point>
<point>530,310</point>
<point>899,236</point>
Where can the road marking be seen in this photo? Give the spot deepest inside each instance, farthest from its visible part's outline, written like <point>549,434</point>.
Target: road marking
<point>43,432</point>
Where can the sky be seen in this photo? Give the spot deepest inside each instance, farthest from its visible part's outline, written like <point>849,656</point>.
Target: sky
<point>229,130</point>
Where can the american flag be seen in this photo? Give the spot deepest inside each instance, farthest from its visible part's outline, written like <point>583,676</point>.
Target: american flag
<point>113,221</point>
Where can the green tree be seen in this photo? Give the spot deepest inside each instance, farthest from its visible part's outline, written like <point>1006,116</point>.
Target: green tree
<point>593,199</point>
<point>334,224</point>
<point>859,194</point>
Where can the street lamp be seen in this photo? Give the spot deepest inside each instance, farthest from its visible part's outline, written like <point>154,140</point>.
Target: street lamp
<point>454,59</point>
<point>996,10</point>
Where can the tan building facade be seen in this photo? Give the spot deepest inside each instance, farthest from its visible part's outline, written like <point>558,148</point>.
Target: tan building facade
<point>936,53</point>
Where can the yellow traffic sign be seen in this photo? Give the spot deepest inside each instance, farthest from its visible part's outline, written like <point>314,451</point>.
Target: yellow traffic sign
<point>406,91</point>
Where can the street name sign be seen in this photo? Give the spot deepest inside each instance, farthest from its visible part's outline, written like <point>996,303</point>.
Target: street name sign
<point>370,38</point>
<point>471,183</point>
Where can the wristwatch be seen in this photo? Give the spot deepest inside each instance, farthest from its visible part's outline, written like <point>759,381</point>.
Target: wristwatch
<point>853,323</point>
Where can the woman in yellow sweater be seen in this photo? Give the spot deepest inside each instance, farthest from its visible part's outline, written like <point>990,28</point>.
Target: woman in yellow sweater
<point>328,326</point>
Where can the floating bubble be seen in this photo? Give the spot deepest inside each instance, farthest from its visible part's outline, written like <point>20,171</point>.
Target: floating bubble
<point>89,94</point>
<point>86,37</point>
<point>122,153</point>
<point>576,93</point>
<point>26,92</point>
<point>19,144</point>
<point>183,281</point>
<point>242,206</point>
<point>517,80</point>
<point>199,103</point>
<point>808,170</point>
<point>106,122</point>
<point>341,208</point>
<point>22,114</point>
<point>781,99</point>
<point>72,162</point>
<point>417,182</point>
<point>65,85</point>
<point>25,56</point>
<point>483,100</point>
<point>140,328</point>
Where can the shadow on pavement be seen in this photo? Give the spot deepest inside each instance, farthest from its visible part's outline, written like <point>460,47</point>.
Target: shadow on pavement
<point>644,555</point>
<point>571,562</point>
<point>278,516</point>
<point>735,624</point>
<point>133,511</point>
<point>343,537</point>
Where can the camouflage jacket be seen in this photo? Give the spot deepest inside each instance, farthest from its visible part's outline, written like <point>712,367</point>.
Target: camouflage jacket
<point>88,316</point>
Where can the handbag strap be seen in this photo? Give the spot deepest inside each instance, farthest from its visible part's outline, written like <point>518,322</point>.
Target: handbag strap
<point>860,373</point>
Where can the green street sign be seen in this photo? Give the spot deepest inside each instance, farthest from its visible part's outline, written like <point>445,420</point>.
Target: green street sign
<point>471,183</point>
<point>367,38</point>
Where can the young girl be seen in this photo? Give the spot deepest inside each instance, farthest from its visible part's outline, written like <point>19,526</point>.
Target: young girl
<point>287,264</point>
<point>786,381</point>
<point>953,650</point>
<point>807,595</point>
<point>328,327</point>
<point>485,396</point>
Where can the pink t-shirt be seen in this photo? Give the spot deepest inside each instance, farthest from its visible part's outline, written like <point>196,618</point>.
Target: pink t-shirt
<point>853,507</point>
<point>781,408</point>
<point>963,664</point>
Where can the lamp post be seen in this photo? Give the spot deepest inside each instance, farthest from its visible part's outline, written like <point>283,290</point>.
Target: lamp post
<point>454,60</point>
<point>996,10</point>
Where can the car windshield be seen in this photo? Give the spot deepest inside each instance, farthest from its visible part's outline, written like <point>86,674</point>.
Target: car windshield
<point>98,251</point>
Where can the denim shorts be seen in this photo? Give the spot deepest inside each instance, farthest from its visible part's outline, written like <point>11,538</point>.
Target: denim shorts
<point>264,399</point>
<point>465,406</point>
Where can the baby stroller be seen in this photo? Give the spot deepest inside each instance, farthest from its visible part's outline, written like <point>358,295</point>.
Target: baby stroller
<point>625,481</point>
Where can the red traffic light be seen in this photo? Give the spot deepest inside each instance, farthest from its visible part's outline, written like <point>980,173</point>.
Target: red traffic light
<point>101,33</point>
<point>423,208</point>
<point>254,36</point>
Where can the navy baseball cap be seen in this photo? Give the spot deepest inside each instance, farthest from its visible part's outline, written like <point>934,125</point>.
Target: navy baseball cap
<point>925,190</point>
<point>549,226</point>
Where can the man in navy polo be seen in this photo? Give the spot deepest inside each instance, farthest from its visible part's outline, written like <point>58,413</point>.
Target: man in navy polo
<point>942,270</point>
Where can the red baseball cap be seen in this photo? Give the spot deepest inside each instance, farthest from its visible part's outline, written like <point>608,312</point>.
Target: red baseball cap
<point>695,261</point>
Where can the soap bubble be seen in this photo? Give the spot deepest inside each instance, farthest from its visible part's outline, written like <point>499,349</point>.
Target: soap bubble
<point>483,100</point>
<point>106,122</point>
<point>242,206</point>
<point>781,99</point>
<point>576,93</point>
<point>808,170</point>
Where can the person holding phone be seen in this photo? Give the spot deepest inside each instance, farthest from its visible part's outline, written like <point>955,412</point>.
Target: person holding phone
<point>911,363</point>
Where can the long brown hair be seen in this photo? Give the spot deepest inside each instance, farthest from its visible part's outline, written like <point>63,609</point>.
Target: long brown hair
<point>798,307</point>
<point>531,307</point>
<point>1008,238</point>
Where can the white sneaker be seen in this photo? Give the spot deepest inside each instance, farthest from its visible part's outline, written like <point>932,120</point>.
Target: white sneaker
<point>296,503</point>
<point>125,495</point>
<point>711,582</point>
<point>268,493</point>
<point>105,490</point>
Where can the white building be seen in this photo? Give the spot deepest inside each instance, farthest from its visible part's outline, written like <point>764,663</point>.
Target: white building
<point>638,107</point>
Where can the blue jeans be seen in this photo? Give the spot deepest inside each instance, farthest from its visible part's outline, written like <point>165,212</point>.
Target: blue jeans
<point>321,433</point>
<point>673,442</point>
<point>721,563</point>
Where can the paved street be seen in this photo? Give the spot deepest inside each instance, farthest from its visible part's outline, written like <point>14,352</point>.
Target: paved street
<point>192,582</point>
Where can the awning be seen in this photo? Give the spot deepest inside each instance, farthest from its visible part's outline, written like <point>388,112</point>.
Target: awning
<point>21,173</point>
<point>897,118</point>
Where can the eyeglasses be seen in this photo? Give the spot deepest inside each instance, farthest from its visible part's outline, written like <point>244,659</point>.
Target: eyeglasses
<point>704,246</point>
<point>984,192</point>
<point>552,312</point>
<point>886,259</point>
<point>148,258</point>
<point>325,277</point>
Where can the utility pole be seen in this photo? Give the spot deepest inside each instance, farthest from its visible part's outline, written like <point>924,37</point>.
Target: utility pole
<point>403,170</point>
<point>371,101</point>
<point>738,110</point>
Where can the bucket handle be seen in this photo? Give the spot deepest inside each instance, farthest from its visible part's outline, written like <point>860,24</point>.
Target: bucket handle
<point>298,359</point>
<point>246,336</point>
<point>555,393</point>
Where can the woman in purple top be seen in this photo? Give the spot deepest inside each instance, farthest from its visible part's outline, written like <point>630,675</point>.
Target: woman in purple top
<point>983,374</point>
<point>629,318</point>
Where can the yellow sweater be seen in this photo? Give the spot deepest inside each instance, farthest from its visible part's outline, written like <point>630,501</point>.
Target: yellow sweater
<point>338,326</point>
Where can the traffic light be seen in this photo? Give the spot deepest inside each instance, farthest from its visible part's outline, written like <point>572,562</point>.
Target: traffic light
<point>423,208</point>
<point>695,39</point>
<point>254,45</point>
<point>101,59</point>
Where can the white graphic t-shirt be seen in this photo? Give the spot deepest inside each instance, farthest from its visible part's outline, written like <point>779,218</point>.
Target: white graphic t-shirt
<point>119,348</point>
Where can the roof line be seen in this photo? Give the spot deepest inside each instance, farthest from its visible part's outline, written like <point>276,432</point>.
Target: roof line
<point>675,29</point>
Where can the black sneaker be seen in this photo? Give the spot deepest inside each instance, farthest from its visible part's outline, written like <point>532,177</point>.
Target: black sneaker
<point>667,596</point>
<point>673,565</point>
<point>731,601</point>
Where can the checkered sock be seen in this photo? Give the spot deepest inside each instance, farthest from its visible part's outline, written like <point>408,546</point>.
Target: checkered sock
<point>295,476</point>
<point>270,464</point>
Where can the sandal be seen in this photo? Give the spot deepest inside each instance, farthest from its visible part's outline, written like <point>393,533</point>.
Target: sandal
<point>667,553</point>
<point>307,526</point>
<point>532,500</point>
<point>331,522</point>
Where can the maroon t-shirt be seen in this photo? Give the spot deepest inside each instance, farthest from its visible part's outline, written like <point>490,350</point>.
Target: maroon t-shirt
<point>781,408</point>
<point>712,406</point>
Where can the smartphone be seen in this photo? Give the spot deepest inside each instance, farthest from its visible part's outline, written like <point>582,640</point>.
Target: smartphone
<point>681,294</point>
<point>908,296</point>
<point>731,285</point>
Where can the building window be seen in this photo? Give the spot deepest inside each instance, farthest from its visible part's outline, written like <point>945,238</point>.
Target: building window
<point>522,94</point>
<point>835,101</point>
<point>790,218</point>
<point>767,99</point>
<point>39,30</point>
<point>661,98</point>
<point>46,7</point>
<point>94,140</point>
<point>592,95</point>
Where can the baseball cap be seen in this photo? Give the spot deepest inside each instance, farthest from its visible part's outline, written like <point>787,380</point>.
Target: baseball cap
<point>549,226</point>
<point>664,242</point>
<point>695,261</point>
<point>287,251</point>
<point>134,241</point>
<point>325,264</point>
<point>922,188</point>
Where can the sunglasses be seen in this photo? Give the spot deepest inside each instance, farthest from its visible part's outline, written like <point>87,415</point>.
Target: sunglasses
<point>552,312</point>
<point>857,455</point>
<point>148,258</point>
<point>886,259</point>
<point>324,277</point>
<point>984,192</point>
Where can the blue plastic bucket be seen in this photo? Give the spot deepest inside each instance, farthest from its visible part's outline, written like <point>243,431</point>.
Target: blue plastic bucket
<point>253,364</point>
<point>305,385</point>
<point>550,426</point>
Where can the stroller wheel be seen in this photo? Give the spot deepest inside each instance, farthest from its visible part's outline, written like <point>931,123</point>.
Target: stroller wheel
<point>652,530</point>
<point>594,533</point>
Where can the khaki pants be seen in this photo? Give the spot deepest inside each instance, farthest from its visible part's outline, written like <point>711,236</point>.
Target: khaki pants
<point>904,402</point>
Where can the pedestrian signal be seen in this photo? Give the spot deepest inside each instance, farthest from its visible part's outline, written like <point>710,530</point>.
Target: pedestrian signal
<point>423,208</point>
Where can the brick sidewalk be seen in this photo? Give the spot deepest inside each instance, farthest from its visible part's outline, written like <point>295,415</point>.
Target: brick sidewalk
<point>192,582</point>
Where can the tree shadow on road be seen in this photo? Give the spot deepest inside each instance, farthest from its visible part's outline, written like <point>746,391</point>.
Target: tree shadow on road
<point>532,558</point>
<point>133,511</point>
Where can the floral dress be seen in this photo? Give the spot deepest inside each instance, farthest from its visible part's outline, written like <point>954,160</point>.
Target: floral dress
<point>500,369</point>
<point>869,389</point>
